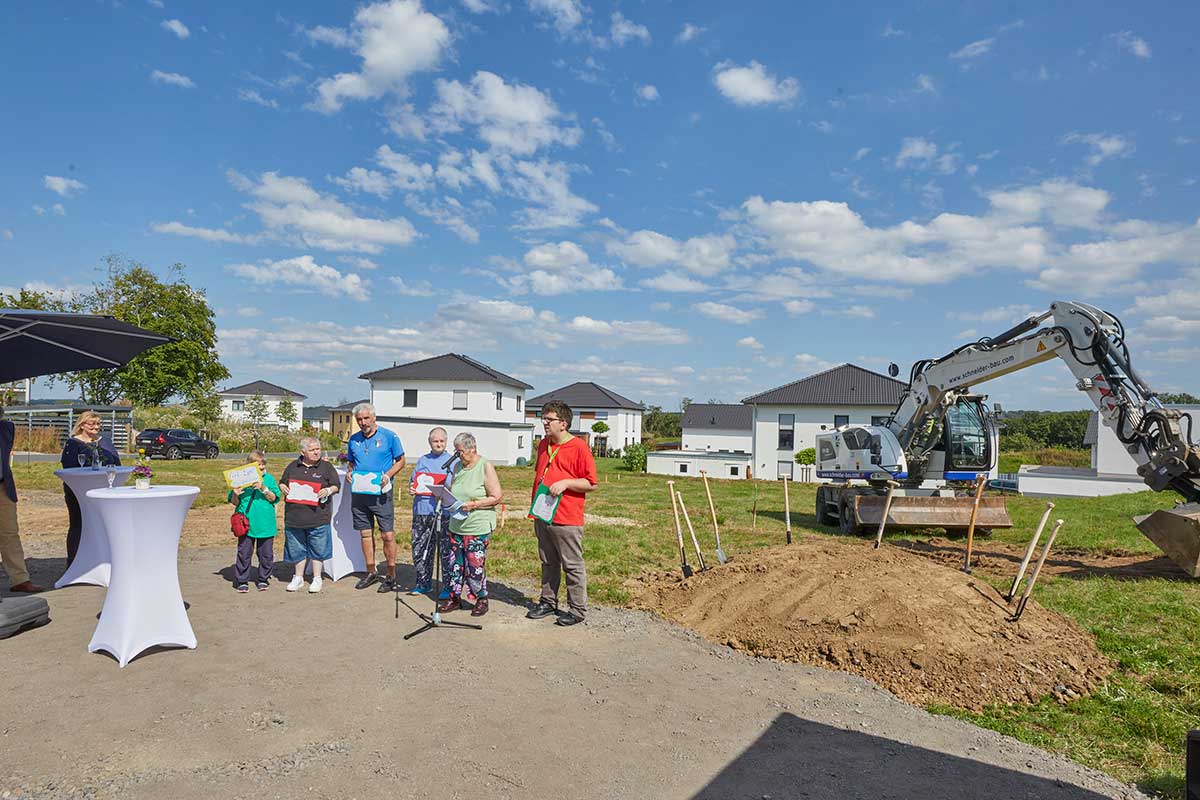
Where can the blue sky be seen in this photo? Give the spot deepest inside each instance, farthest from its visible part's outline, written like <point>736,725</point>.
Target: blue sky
<point>671,199</point>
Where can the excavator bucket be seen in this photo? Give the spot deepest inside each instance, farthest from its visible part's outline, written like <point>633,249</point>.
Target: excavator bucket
<point>1176,531</point>
<point>932,512</point>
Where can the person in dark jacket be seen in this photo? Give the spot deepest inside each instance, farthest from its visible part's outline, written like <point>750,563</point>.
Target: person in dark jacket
<point>12,556</point>
<point>86,445</point>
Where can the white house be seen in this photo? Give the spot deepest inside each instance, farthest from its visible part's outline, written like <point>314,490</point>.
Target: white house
<point>459,394</point>
<point>591,403</point>
<point>788,418</point>
<point>725,427</point>
<point>318,417</point>
<point>689,463</point>
<point>233,403</point>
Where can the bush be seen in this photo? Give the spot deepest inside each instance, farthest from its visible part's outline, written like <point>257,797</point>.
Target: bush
<point>807,456</point>
<point>635,458</point>
<point>614,453</point>
<point>1012,442</point>
<point>37,440</point>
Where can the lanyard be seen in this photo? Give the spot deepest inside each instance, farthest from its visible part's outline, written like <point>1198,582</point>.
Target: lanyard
<point>553,451</point>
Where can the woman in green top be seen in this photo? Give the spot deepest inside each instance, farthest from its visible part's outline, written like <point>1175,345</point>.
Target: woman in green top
<point>257,502</point>
<point>477,487</point>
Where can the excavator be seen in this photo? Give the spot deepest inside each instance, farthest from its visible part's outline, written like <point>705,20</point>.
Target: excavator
<point>941,432</point>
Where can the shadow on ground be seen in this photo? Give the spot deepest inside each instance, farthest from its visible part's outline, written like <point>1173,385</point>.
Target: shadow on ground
<point>798,758</point>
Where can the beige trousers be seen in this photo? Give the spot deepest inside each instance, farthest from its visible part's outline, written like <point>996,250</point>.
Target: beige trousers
<point>11,554</point>
<point>560,549</point>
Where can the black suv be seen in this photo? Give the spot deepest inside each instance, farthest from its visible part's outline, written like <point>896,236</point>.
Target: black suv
<point>175,443</point>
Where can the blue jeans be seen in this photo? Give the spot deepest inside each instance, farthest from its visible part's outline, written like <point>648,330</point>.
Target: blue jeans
<point>308,543</point>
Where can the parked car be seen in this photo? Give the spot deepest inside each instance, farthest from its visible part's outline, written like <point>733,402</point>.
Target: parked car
<point>175,443</point>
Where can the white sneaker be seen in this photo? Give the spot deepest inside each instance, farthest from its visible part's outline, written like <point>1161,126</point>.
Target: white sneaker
<point>315,586</point>
<point>296,582</point>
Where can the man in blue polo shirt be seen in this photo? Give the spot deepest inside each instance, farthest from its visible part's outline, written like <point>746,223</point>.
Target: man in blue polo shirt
<point>378,450</point>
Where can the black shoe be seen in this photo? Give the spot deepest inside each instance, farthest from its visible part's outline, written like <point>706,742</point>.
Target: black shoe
<point>387,585</point>
<point>541,610</point>
<point>367,580</point>
<point>568,619</point>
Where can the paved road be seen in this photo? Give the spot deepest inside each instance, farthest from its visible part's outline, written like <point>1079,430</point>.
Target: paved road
<point>318,695</point>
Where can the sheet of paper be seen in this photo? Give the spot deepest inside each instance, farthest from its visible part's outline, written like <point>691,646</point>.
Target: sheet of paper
<point>246,475</point>
<point>304,493</point>
<point>422,481</point>
<point>544,506</point>
<point>366,482</point>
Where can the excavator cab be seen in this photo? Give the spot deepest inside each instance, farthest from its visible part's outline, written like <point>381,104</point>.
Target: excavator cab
<point>969,442</point>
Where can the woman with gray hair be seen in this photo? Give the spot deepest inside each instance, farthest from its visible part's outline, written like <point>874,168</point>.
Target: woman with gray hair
<point>307,484</point>
<point>477,487</point>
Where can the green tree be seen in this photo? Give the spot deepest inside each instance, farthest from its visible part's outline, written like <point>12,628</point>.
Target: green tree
<point>205,406</point>
<point>286,411</point>
<point>599,427</point>
<point>807,456</point>
<point>1179,398</point>
<point>635,458</point>
<point>257,412</point>
<point>684,402</point>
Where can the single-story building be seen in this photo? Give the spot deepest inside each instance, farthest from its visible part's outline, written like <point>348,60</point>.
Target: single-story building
<point>233,403</point>
<point>725,427</point>
<point>788,418</point>
<point>689,463</point>
<point>460,394</point>
<point>591,403</point>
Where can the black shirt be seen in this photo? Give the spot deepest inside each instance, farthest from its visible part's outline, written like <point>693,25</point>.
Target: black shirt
<point>298,515</point>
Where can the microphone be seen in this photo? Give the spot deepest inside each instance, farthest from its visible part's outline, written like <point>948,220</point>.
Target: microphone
<point>450,461</point>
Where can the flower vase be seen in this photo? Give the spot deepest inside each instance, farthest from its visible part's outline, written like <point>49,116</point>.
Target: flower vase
<point>142,483</point>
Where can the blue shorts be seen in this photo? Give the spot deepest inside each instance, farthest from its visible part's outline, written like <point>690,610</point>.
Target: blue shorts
<point>368,510</point>
<point>304,543</point>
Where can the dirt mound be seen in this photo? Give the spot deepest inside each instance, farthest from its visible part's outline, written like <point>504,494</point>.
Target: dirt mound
<point>926,632</point>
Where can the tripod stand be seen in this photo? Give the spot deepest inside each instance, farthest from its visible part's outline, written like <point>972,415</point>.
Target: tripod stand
<point>433,620</point>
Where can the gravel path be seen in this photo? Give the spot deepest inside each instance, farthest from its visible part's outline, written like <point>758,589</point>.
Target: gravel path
<point>318,695</point>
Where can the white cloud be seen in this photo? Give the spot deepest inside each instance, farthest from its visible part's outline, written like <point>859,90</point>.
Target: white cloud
<point>207,234</point>
<point>973,50</point>
<point>359,262</point>
<point>648,93</point>
<point>58,209</point>
<point>752,85</point>
<point>481,6</point>
<point>624,30</point>
<point>1009,315</point>
<point>172,79</point>
<point>915,149</point>
<point>605,134</point>
<point>304,273</point>
<point>890,30</point>
<point>546,184</point>
<point>288,206</point>
<point>395,40</point>
<point>727,313</point>
<point>861,153</point>
<point>447,212</point>
<point>1133,44</point>
<point>66,187</point>
<point>1128,247</point>
<point>563,255</point>
<point>862,312</point>
<point>925,85</point>
<point>750,343</point>
<point>688,33</point>
<point>559,268</point>
<point>308,339</point>
<point>808,364</point>
<point>1103,146</point>
<point>176,27</point>
<point>253,96</point>
<point>403,287</point>
<point>624,332</point>
<point>704,255</point>
<point>566,15</point>
<point>674,282</point>
<point>337,37</point>
<point>1060,201</point>
<point>626,377</point>
<point>248,311</point>
<point>514,118</point>
<point>824,126</point>
<point>156,3</point>
<point>798,307</point>
<point>7,234</point>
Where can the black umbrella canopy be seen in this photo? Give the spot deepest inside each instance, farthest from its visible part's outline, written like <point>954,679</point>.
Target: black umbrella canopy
<point>34,343</point>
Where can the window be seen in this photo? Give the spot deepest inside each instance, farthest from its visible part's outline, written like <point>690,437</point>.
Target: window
<point>827,450</point>
<point>841,419</point>
<point>410,398</point>
<point>239,405</point>
<point>787,433</point>
<point>518,402</point>
<point>682,467</point>
<point>968,434</point>
<point>784,469</point>
<point>499,401</point>
<point>520,442</point>
<point>734,471</point>
<point>879,420</point>
<point>601,415</point>
<point>460,400</point>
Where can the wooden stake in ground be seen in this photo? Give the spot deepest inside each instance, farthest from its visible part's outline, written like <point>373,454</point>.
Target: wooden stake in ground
<point>787,510</point>
<point>1012,593</point>
<point>692,531</point>
<point>687,571</point>
<point>754,512</point>
<point>887,507</point>
<point>980,482</point>
<point>1058,523</point>
<point>713,510</point>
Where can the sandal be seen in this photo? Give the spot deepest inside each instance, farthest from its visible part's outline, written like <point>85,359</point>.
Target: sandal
<point>448,605</point>
<point>481,607</point>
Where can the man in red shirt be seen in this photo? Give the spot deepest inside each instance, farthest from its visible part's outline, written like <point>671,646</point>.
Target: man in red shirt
<point>566,468</point>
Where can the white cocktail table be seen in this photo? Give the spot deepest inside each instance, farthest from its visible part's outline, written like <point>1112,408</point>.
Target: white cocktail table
<point>91,559</point>
<point>143,606</point>
<point>348,556</point>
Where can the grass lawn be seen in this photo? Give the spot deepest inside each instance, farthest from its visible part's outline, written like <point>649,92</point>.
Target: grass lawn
<point>1134,728</point>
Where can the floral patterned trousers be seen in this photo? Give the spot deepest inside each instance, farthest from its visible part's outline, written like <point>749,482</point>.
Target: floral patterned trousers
<point>466,562</point>
<point>424,527</point>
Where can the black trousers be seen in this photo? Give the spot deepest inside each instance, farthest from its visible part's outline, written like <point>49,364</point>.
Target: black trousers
<point>75,526</point>
<point>266,558</point>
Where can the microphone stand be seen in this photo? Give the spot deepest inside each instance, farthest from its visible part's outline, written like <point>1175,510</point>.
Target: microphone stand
<point>434,620</point>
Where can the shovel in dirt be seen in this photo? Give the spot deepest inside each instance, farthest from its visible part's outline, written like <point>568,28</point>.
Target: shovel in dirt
<point>687,571</point>
<point>712,509</point>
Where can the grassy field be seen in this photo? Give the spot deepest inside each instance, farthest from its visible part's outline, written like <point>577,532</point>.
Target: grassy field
<point>1134,728</point>
<point>1046,456</point>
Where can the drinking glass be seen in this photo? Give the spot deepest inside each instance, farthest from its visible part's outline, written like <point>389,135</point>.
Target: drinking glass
<point>82,459</point>
<point>110,474</point>
<point>96,459</point>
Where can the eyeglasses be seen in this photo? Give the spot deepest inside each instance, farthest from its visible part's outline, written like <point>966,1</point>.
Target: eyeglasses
<point>551,419</point>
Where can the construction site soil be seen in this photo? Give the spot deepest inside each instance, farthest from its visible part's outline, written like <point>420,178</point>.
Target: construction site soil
<point>927,632</point>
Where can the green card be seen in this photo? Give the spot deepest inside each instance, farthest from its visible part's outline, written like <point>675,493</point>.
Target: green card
<point>544,504</point>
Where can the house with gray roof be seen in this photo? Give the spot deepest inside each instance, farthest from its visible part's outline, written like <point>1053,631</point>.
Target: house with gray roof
<point>458,393</point>
<point>233,403</point>
<point>718,426</point>
<point>591,403</point>
<point>788,418</point>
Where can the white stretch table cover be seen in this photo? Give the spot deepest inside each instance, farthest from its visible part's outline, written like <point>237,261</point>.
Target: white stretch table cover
<point>348,556</point>
<point>91,559</point>
<point>143,606</point>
